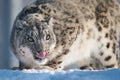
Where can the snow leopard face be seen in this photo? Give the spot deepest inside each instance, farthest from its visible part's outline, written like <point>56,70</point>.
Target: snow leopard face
<point>34,37</point>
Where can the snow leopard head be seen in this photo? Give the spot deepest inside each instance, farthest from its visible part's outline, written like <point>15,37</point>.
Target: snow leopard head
<point>34,35</point>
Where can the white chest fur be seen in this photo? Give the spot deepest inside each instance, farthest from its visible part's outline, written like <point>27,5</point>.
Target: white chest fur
<point>79,52</point>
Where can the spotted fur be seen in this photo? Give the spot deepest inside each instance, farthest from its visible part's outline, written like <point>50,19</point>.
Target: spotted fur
<point>82,34</point>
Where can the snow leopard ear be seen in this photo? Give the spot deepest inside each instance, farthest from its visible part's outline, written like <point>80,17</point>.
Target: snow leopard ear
<point>17,26</point>
<point>21,24</point>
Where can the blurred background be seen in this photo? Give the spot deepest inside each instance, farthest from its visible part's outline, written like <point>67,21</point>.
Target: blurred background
<point>8,11</point>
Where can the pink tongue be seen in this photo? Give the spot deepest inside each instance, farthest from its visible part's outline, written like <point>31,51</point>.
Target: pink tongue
<point>42,54</point>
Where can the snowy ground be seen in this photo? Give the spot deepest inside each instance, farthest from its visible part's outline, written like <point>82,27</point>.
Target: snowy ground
<point>113,74</point>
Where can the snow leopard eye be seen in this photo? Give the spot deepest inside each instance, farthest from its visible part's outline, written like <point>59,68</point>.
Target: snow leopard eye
<point>30,39</point>
<point>48,37</point>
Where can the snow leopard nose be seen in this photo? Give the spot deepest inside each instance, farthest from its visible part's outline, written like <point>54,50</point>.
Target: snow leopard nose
<point>42,54</point>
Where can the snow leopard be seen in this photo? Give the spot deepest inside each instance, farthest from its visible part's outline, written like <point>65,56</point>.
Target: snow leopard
<point>67,34</point>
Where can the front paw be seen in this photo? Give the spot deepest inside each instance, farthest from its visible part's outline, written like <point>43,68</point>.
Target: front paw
<point>45,67</point>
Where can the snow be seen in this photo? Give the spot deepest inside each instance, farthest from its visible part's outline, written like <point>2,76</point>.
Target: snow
<point>112,74</point>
